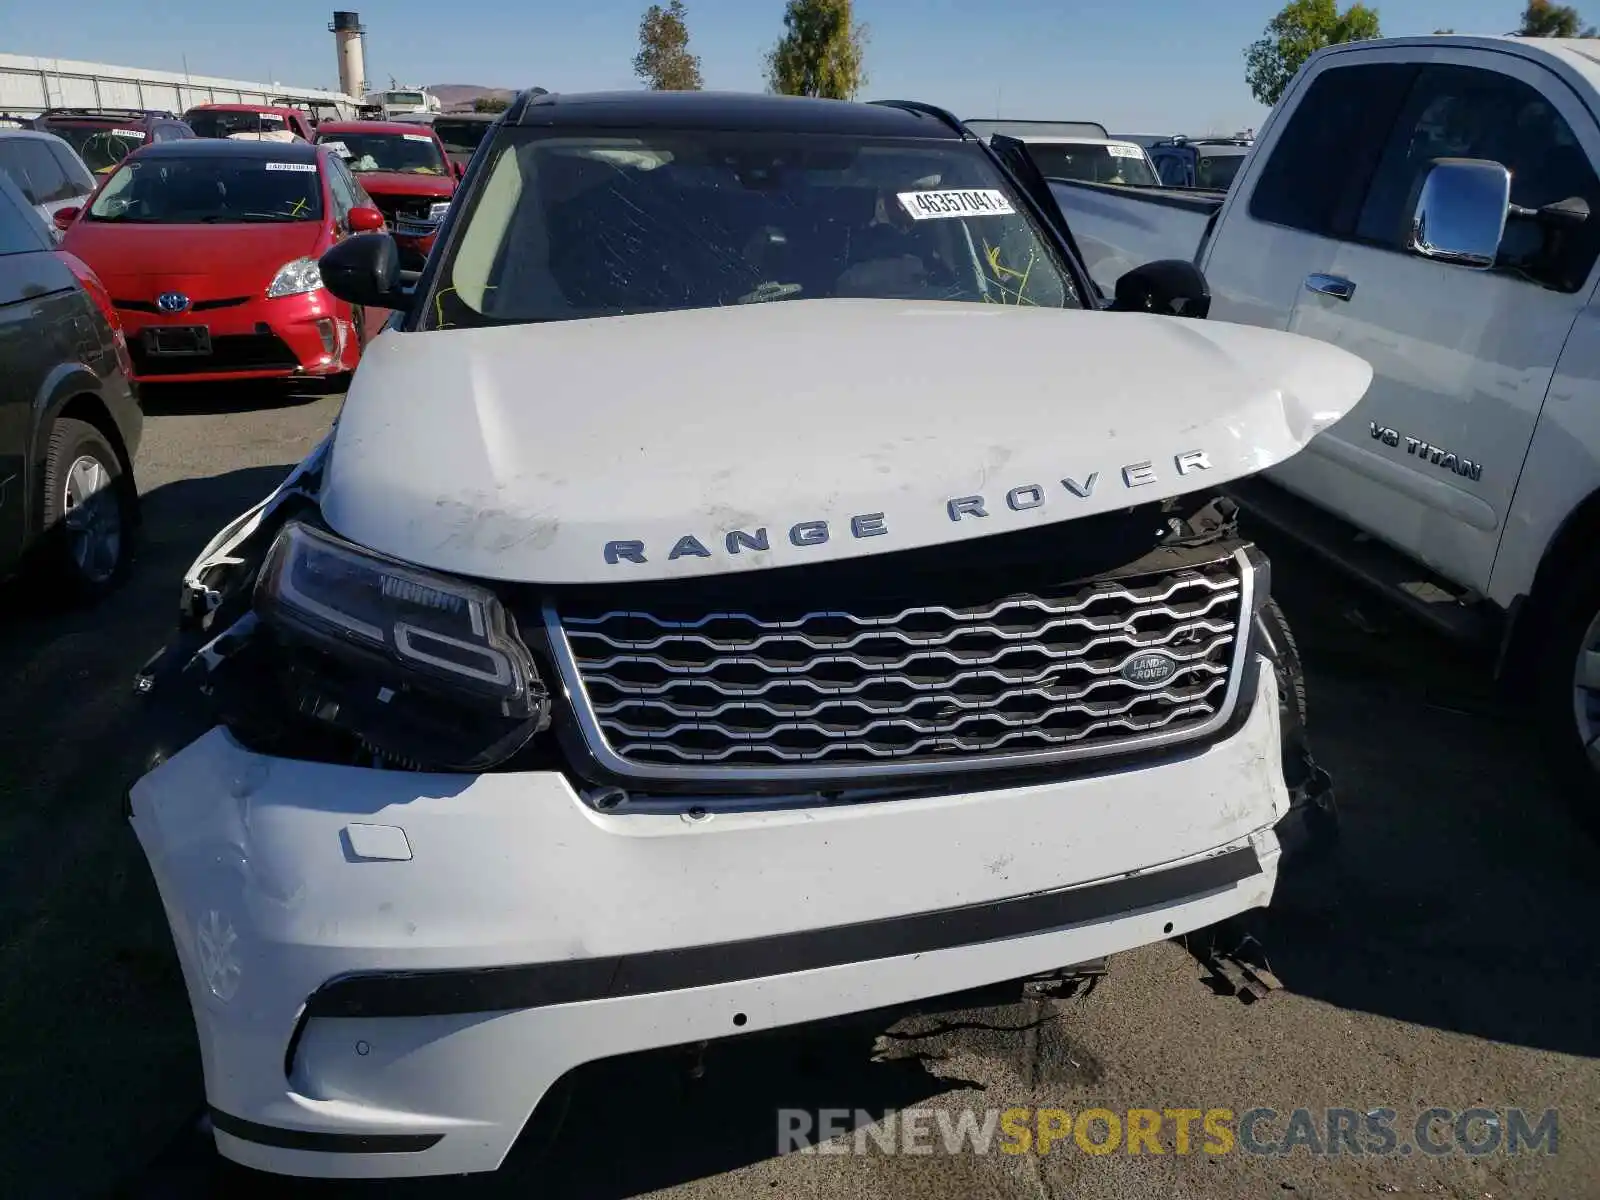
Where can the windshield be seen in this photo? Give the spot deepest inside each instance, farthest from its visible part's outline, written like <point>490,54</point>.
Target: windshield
<point>1217,171</point>
<point>407,153</point>
<point>402,97</point>
<point>101,144</point>
<point>460,138</point>
<point>568,227</point>
<point>212,123</point>
<point>210,190</point>
<point>1093,163</point>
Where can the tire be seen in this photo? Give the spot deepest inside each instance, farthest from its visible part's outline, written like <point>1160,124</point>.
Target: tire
<point>1290,672</point>
<point>87,509</point>
<point>1571,626</point>
<point>1310,832</point>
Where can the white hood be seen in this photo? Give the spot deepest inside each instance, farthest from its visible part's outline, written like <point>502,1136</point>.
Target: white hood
<point>566,452</point>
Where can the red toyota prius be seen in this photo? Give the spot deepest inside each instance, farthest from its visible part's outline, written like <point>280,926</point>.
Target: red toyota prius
<point>209,249</point>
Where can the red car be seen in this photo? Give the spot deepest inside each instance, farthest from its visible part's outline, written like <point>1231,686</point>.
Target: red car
<point>209,249</point>
<point>408,173</point>
<point>225,120</point>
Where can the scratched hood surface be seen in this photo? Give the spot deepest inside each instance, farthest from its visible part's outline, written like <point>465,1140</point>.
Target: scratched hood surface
<point>566,452</point>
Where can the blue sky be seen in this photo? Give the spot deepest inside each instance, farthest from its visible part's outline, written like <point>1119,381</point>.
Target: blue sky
<point>1134,65</point>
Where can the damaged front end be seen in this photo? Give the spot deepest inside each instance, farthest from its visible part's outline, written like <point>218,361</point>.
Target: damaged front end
<point>306,646</point>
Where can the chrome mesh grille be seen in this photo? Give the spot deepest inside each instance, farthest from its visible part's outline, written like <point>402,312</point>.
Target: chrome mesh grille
<point>887,688</point>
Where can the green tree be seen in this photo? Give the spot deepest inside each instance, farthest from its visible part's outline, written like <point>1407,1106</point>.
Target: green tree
<point>822,51</point>
<point>664,61</point>
<point>490,104</point>
<point>1297,32</point>
<point>1541,19</point>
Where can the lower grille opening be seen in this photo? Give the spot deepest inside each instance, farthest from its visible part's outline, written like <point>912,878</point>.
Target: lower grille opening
<point>229,352</point>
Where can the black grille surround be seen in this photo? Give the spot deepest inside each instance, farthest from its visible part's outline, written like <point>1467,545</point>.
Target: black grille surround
<point>408,215</point>
<point>229,352</point>
<point>879,689</point>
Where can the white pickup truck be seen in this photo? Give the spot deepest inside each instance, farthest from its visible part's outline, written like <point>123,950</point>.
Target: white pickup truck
<point>1427,203</point>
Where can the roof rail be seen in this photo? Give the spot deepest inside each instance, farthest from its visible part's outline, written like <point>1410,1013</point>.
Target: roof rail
<point>101,111</point>
<point>944,116</point>
<point>520,102</point>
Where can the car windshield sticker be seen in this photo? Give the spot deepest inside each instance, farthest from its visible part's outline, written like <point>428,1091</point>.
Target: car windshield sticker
<point>338,148</point>
<point>1123,151</point>
<point>133,133</point>
<point>416,137</point>
<point>282,166</point>
<point>980,202</point>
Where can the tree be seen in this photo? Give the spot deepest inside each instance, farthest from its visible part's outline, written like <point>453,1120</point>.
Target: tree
<point>664,61</point>
<point>490,104</point>
<point>1291,37</point>
<point>1541,19</point>
<point>822,51</point>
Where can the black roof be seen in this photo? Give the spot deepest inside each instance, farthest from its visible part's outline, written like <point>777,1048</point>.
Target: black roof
<point>230,148</point>
<point>728,110</point>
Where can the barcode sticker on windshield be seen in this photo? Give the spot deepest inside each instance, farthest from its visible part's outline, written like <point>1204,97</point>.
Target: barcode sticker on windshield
<point>133,133</point>
<point>931,206</point>
<point>282,166</point>
<point>1123,151</point>
<point>337,148</point>
<point>416,137</point>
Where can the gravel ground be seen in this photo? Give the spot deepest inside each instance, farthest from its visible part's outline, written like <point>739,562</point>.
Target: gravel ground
<point>1447,958</point>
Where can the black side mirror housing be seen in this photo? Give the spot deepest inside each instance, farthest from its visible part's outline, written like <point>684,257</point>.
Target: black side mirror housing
<point>365,270</point>
<point>1173,287</point>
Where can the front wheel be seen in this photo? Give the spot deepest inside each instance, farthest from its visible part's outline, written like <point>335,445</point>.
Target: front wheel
<point>1568,696</point>
<point>87,509</point>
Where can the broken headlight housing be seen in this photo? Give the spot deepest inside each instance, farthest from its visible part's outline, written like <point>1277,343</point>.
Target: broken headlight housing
<point>423,668</point>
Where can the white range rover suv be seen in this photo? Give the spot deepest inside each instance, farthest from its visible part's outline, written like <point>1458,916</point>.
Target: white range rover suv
<point>744,587</point>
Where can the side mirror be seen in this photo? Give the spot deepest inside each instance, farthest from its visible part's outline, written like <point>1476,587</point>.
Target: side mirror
<point>365,270</point>
<point>1459,212</point>
<point>365,220</point>
<point>64,217</point>
<point>1170,286</point>
<point>461,170</point>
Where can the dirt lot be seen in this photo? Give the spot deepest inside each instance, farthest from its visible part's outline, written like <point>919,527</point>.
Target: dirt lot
<point>1448,958</point>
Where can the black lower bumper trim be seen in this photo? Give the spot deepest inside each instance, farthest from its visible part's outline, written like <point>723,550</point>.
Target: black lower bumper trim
<point>321,1142</point>
<point>496,989</point>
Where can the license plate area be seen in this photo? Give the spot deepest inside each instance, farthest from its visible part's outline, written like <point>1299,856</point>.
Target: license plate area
<point>178,341</point>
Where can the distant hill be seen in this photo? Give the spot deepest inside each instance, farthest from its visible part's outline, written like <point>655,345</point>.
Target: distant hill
<point>458,97</point>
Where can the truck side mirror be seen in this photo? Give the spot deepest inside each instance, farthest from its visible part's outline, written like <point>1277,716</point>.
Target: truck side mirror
<point>1459,212</point>
<point>1169,286</point>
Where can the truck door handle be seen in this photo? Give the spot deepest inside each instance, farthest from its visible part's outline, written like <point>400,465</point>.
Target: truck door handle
<point>1330,285</point>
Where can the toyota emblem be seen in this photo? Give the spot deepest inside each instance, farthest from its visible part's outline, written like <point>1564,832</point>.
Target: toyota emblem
<point>172,302</point>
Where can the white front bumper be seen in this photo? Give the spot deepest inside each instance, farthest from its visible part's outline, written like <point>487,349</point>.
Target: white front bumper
<point>280,876</point>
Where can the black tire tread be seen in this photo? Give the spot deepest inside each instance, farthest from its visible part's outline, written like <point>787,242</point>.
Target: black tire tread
<point>70,437</point>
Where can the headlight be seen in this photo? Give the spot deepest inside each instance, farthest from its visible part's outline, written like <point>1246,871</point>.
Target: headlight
<point>437,211</point>
<point>295,278</point>
<point>452,634</point>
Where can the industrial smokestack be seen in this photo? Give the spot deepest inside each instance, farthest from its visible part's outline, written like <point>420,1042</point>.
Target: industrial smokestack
<point>347,33</point>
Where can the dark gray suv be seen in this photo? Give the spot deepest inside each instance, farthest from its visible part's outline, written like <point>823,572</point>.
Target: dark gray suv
<point>69,416</point>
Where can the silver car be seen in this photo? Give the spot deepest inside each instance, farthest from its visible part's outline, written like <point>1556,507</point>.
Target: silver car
<point>46,170</point>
